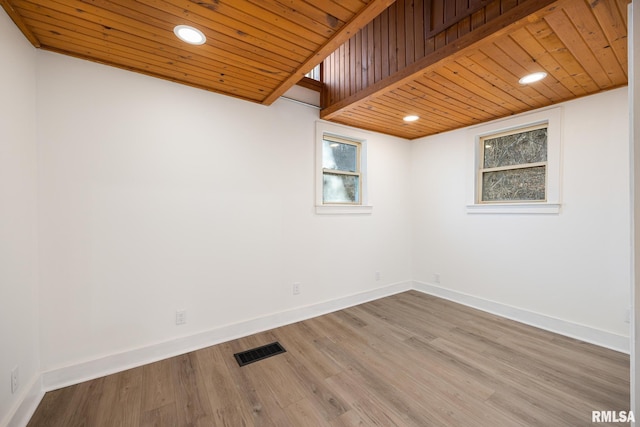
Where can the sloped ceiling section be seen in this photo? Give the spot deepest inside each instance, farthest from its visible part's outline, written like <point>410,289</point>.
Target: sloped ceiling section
<point>580,44</point>
<point>453,63</point>
<point>255,49</point>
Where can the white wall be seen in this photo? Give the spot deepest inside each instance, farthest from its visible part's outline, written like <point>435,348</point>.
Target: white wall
<point>18,218</point>
<point>157,197</point>
<point>634,161</point>
<point>573,266</point>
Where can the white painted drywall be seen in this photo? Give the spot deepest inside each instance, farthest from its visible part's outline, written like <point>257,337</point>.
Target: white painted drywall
<point>634,162</point>
<point>157,197</point>
<point>573,266</point>
<point>18,218</point>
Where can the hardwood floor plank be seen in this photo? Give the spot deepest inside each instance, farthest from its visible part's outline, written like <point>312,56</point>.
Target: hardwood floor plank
<point>158,390</point>
<point>228,406</point>
<point>53,404</point>
<point>369,407</point>
<point>402,393</point>
<point>313,386</point>
<point>82,411</point>
<point>300,342</point>
<point>350,419</point>
<point>120,403</point>
<point>410,359</point>
<point>192,404</point>
<point>162,416</point>
<point>527,394</point>
<point>304,413</point>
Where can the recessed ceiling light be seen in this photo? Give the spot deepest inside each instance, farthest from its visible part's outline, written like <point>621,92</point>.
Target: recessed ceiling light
<point>189,34</point>
<point>410,118</point>
<point>532,78</point>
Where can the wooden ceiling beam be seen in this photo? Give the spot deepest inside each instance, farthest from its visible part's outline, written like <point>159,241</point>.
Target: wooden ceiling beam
<point>508,21</point>
<point>366,15</point>
<point>17,19</point>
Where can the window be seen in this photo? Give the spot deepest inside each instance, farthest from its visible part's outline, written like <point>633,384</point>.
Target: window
<point>341,182</point>
<point>341,170</point>
<point>314,74</point>
<point>513,166</point>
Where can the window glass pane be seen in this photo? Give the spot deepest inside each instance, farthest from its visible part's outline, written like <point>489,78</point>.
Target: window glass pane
<point>338,156</point>
<point>514,185</point>
<point>340,188</point>
<point>516,149</point>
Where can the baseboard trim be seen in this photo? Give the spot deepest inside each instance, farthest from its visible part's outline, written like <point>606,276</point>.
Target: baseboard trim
<point>74,374</point>
<point>28,404</point>
<point>563,327</point>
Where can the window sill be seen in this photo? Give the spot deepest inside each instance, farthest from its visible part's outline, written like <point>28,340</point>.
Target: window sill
<point>344,209</point>
<point>515,208</point>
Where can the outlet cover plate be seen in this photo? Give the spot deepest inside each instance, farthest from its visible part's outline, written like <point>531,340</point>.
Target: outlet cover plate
<point>181,317</point>
<point>15,379</point>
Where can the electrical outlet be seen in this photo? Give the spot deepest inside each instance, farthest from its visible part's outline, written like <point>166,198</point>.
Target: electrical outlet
<point>436,278</point>
<point>181,317</point>
<point>15,380</point>
<point>377,276</point>
<point>296,288</point>
<point>627,316</point>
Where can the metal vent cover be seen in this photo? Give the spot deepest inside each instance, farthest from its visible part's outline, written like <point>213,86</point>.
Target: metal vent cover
<point>259,353</point>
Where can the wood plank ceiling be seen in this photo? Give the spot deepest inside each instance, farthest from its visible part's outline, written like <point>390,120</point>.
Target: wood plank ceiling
<point>255,49</point>
<point>258,49</point>
<point>580,44</point>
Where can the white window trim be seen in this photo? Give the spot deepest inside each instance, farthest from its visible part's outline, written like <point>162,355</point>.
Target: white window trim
<point>553,118</point>
<point>342,132</point>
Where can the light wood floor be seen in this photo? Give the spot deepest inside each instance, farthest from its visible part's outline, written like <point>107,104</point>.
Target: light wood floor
<point>405,360</point>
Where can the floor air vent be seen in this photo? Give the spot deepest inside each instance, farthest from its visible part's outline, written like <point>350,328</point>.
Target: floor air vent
<point>259,353</point>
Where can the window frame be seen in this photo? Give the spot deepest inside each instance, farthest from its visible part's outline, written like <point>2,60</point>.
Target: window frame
<point>341,134</point>
<point>553,118</point>
<point>482,170</point>
<point>358,171</point>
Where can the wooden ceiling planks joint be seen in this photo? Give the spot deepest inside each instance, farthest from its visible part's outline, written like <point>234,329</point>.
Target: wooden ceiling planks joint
<point>255,50</point>
<point>582,45</point>
<point>361,19</point>
<point>17,19</point>
<point>415,54</point>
